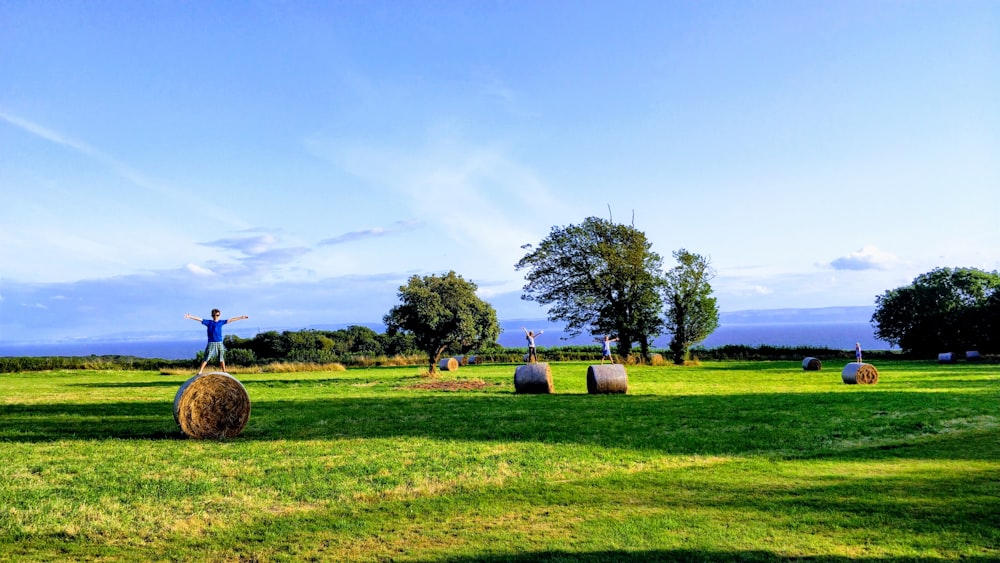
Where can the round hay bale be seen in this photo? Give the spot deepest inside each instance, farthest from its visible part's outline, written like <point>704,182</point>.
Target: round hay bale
<point>656,359</point>
<point>533,378</point>
<point>972,356</point>
<point>946,358</point>
<point>449,364</point>
<point>475,360</point>
<point>212,405</point>
<point>607,378</point>
<point>864,374</point>
<point>812,364</point>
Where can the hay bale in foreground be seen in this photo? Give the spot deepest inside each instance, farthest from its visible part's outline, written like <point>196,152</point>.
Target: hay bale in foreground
<point>607,378</point>
<point>212,405</point>
<point>864,374</point>
<point>448,364</point>
<point>946,358</point>
<point>533,378</point>
<point>812,364</point>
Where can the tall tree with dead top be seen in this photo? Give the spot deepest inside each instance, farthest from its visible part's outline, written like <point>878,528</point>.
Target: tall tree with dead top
<point>692,313</point>
<point>598,276</point>
<point>443,313</point>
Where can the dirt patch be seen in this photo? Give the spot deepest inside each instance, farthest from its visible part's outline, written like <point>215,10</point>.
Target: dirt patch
<point>450,385</point>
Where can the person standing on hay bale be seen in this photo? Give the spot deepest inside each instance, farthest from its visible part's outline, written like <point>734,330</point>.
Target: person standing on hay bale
<point>532,352</point>
<point>857,352</point>
<point>214,347</point>
<point>606,347</point>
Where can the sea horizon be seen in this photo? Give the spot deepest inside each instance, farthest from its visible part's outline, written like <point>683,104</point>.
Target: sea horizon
<point>833,335</point>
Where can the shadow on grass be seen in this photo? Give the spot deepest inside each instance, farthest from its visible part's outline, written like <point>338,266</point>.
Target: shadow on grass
<point>779,425</point>
<point>682,556</point>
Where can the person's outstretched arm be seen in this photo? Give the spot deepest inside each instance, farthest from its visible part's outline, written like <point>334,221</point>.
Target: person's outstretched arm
<point>239,318</point>
<point>193,318</point>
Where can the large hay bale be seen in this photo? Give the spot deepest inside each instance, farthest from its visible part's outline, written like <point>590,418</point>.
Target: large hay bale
<point>812,364</point>
<point>864,374</point>
<point>533,378</point>
<point>475,360</point>
<point>448,364</point>
<point>946,358</point>
<point>972,356</point>
<point>607,378</point>
<point>212,405</point>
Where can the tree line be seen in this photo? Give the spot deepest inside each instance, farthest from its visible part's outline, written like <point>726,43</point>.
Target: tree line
<point>944,310</point>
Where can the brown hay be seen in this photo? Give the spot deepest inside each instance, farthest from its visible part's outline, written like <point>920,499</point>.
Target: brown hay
<point>864,374</point>
<point>533,378</point>
<point>607,378</point>
<point>213,405</point>
<point>812,364</point>
<point>449,364</point>
<point>657,360</point>
<point>451,385</point>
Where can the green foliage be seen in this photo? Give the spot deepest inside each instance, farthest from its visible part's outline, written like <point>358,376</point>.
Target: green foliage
<point>692,313</point>
<point>599,276</point>
<point>942,310</point>
<point>443,313</point>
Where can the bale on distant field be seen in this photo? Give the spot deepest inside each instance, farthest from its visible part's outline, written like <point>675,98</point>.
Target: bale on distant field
<point>448,364</point>
<point>212,405</point>
<point>533,378</point>
<point>656,359</point>
<point>607,378</point>
<point>864,374</point>
<point>972,356</point>
<point>475,360</point>
<point>946,358</point>
<point>812,364</point>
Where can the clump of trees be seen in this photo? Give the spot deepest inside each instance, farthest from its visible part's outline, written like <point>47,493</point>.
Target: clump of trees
<point>320,346</point>
<point>442,313</point>
<point>946,309</point>
<point>604,278</point>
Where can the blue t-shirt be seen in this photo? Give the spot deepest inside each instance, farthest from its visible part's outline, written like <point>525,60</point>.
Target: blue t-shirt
<point>214,329</point>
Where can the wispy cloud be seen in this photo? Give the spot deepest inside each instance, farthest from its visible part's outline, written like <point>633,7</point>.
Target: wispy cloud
<point>867,258</point>
<point>118,167</point>
<point>374,232</point>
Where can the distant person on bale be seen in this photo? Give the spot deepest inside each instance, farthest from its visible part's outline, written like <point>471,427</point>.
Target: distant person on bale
<point>532,351</point>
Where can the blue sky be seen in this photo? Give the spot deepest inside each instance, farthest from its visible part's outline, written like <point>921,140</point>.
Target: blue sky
<point>298,161</point>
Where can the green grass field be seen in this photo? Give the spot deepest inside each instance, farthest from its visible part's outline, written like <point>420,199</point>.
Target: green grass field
<point>727,461</point>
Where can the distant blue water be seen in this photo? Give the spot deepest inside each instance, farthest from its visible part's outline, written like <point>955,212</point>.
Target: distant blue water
<point>838,336</point>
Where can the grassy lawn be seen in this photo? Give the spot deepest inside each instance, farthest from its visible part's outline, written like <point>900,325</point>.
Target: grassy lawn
<point>725,461</point>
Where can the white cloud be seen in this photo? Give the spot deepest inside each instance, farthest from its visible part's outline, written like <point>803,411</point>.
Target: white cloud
<point>199,271</point>
<point>396,228</point>
<point>867,258</point>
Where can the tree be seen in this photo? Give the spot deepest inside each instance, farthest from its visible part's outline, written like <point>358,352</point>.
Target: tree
<point>692,313</point>
<point>598,276</point>
<point>945,309</point>
<point>443,312</point>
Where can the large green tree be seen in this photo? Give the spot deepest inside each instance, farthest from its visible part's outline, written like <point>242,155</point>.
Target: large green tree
<point>443,313</point>
<point>598,276</point>
<point>946,309</point>
<point>692,313</point>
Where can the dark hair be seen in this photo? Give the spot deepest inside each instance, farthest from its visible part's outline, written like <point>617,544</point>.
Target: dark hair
<point>216,312</point>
